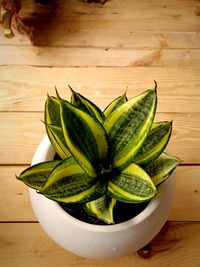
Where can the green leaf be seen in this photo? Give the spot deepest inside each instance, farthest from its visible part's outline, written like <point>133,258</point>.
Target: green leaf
<point>155,143</point>
<point>58,141</point>
<point>69,183</point>
<point>102,208</point>
<point>86,105</point>
<point>85,137</point>
<point>36,175</point>
<point>53,127</point>
<point>133,184</point>
<point>52,111</point>
<point>128,126</point>
<point>115,104</point>
<point>161,168</point>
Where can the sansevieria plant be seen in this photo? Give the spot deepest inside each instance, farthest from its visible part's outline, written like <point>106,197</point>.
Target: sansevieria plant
<point>109,156</point>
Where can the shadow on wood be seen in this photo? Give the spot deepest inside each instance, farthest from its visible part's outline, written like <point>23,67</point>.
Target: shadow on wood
<point>40,18</point>
<point>55,19</point>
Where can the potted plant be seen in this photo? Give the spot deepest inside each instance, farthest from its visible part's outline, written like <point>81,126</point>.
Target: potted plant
<point>110,162</point>
<point>10,19</point>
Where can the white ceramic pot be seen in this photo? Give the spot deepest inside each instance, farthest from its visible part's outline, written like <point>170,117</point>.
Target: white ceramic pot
<point>100,241</point>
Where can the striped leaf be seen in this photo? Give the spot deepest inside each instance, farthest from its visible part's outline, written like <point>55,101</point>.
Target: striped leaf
<point>69,183</point>
<point>52,111</point>
<point>161,168</point>
<point>115,104</point>
<point>85,137</point>
<point>102,208</point>
<point>58,141</point>
<point>53,126</point>
<point>155,143</point>
<point>133,184</point>
<point>86,105</point>
<point>36,175</point>
<point>128,126</point>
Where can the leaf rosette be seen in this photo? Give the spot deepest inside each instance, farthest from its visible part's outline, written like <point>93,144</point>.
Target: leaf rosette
<point>106,156</point>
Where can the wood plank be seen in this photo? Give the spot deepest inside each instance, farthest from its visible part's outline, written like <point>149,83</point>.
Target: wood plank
<point>22,132</point>
<point>100,57</point>
<point>30,247</point>
<point>116,24</point>
<point>20,136</point>
<point>20,90</point>
<point>107,38</point>
<point>154,40</point>
<point>15,206</point>
<point>187,199</point>
<point>174,16</point>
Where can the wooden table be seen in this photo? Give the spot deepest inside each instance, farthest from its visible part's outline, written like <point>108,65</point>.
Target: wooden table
<point>100,50</point>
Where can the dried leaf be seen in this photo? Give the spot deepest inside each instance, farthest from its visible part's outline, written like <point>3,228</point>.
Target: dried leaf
<point>9,18</point>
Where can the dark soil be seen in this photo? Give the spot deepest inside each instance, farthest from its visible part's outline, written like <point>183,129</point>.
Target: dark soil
<point>122,212</point>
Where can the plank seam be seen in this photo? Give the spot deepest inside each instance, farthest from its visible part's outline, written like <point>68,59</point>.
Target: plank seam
<point>101,47</point>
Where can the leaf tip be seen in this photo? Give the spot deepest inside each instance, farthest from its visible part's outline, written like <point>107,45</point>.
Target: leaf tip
<point>57,94</point>
<point>179,160</point>
<point>155,86</point>
<point>72,90</point>
<point>125,93</point>
<point>17,177</point>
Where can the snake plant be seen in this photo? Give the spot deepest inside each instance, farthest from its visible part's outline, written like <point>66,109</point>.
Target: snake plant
<point>106,156</point>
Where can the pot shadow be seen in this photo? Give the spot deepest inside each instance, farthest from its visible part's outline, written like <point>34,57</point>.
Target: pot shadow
<point>41,18</point>
<point>55,21</point>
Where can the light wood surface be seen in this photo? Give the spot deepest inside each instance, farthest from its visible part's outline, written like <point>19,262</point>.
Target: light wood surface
<point>100,50</point>
<point>21,91</point>
<point>28,245</point>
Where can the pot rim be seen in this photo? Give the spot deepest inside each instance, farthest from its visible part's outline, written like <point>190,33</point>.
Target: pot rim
<point>45,152</point>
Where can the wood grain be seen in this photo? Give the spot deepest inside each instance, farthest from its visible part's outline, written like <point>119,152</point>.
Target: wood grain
<point>14,205</point>
<point>72,19</point>
<point>187,198</point>
<point>28,245</point>
<point>107,37</point>
<point>20,136</point>
<point>177,87</point>
<point>110,35</point>
<point>99,57</point>
<point>14,195</point>
<point>99,50</point>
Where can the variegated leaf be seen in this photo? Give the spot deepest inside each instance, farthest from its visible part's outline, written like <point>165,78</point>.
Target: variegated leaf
<point>161,168</point>
<point>53,127</point>
<point>85,137</point>
<point>69,183</point>
<point>133,184</point>
<point>52,111</point>
<point>102,208</point>
<point>128,126</point>
<point>58,141</point>
<point>36,175</point>
<point>86,105</point>
<point>115,104</point>
<point>155,143</point>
